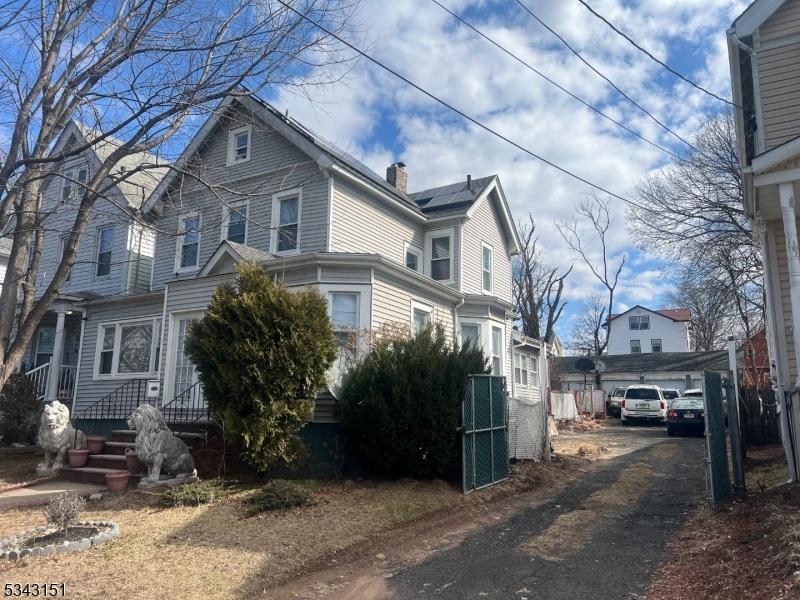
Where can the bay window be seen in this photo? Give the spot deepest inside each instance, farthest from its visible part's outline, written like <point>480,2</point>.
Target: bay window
<point>497,351</point>
<point>471,334</point>
<point>344,316</point>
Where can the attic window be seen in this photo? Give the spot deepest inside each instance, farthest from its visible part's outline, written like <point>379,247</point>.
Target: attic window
<point>239,145</point>
<point>73,183</point>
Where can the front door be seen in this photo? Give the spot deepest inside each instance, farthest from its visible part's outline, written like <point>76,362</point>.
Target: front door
<point>184,374</point>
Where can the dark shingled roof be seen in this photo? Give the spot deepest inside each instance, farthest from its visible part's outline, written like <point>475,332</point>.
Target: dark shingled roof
<point>650,362</point>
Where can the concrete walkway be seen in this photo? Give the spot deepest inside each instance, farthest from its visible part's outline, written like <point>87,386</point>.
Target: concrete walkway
<point>41,493</point>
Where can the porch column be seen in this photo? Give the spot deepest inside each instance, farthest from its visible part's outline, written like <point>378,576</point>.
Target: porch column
<point>55,361</point>
<point>786,191</point>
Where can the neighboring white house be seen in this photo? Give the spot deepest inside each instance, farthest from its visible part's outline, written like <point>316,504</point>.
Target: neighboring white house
<point>764,54</point>
<point>640,330</point>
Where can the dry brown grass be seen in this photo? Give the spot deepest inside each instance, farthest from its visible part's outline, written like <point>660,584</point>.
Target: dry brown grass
<point>215,551</point>
<point>16,468</point>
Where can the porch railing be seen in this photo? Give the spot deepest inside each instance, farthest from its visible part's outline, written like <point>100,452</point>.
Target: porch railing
<point>186,408</point>
<point>67,375</point>
<point>120,403</point>
<point>38,377</point>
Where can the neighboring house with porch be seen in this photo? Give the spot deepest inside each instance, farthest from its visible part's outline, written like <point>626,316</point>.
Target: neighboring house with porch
<point>764,53</point>
<point>114,257</point>
<point>640,330</point>
<point>275,193</point>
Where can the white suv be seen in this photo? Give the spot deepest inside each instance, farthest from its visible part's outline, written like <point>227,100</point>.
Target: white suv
<point>643,402</point>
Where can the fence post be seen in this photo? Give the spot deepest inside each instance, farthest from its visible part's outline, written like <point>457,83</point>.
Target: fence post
<point>736,441</point>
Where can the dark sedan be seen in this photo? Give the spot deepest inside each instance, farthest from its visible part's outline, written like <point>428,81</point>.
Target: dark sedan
<point>686,415</point>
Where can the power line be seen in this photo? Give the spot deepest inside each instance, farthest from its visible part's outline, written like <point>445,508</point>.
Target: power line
<point>663,64</point>
<point>549,80</point>
<point>461,113</point>
<point>606,79</point>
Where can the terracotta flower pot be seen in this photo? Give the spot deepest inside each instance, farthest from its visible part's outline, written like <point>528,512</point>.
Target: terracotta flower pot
<point>95,443</point>
<point>135,466</point>
<point>78,457</point>
<point>117,481</point>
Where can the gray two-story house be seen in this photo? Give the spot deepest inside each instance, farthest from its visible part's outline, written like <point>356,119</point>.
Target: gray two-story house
<point>256,185</point>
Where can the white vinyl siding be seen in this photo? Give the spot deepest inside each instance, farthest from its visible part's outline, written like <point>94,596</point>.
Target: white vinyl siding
<point>485,227</point>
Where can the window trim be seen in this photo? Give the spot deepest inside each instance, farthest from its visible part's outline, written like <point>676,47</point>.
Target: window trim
<point>277,197</point>
<point>179,241</point>
<point>484,247</point>
<point>477,324</point>
<point>660,345</point>
<point>155,343</point>
<point>437,233</point>
<point>638,341</point>
<point>501,355</point>
<point>409,248</point>
<point>226,217</point>
<point>421,306</point>
<point>99,234</point>
<point>232,133</point>
<point>531,371</point>
<point>168,383</point>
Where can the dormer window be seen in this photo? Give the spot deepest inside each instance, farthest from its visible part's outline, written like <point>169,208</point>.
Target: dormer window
<point>239,145</point>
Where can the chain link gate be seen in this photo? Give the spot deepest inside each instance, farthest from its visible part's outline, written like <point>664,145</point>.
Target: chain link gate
<point>485,431</point>
<point>718,477</point>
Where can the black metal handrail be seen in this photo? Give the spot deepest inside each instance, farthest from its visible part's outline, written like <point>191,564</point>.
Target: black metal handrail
<point>187,408</point>
<point>119,403</point>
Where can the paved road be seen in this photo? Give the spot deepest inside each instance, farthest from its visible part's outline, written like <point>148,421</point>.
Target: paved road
<point>601,538</point>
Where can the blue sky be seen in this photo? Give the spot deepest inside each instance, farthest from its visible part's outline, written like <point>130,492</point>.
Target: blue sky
<point>380,119</point>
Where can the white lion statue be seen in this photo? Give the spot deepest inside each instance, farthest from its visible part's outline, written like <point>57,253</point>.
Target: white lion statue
<point>56,435</point>
<point>158,448</point>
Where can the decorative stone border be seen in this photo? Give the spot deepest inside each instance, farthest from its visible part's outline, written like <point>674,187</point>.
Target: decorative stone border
<point>111,531</point>
<point>23,484</point>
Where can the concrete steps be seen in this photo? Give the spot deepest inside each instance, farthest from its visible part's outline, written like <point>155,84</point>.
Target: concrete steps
<point>108,461</point>
<point>89,474</point>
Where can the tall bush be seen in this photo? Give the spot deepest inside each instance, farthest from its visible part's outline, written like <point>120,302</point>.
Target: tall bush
<point>262,354</point>
<point>19,410</point>
<point>402,404</point>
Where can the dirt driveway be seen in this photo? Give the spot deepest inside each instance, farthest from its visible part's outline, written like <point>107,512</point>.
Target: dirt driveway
<point>599,537</point>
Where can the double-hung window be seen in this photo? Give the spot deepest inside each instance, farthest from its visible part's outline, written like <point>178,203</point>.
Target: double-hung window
<point>655,345</point>
<point>128,348</point>
<point>63,251</point>
<point>344,316</point>
<point>105,245</point>
<point>239,145</point>
<point>188,256</point>
<point>636,347</point>
<point>286,221</point>
<point>526,370</point>
<point>73,180</point>
<point>234,223</point>
<point>471,334</point>
<point>420,316</point>
<point>413,257</point>
<point>487,268</point>
<point>439,254</point>
<point>497,350</point>
<point>639,322</point>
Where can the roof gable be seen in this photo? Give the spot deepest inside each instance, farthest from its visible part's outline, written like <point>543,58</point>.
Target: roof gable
<point>673,314</point>
<point>755,16</point>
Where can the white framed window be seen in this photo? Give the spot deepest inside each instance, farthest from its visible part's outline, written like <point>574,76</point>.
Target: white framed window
<point>413,257</point>
<point>105,247</point>
<point>73,179</point>
<point>636,347</point>
<point>655,345</point>
<point>344,315</point>
<point>239,145</point>
<point>471,334</point>
<point>526,370</point>
<point>286,207</point>
<point>639,322</point>
<point>127,349</point>
<point>439,247</point>
<point>234,222</point>
<point>497,350</point>
<point>187,255</point>
<point>533,373</point>
<point>487,268</point>
<point>421,315</point>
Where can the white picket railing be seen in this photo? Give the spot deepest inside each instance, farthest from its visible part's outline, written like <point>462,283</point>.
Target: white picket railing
<point>66,382</point>
<point>39,377</point>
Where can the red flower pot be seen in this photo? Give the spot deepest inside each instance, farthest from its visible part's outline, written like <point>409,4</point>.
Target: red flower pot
<point>78,457</point>
<point>117,481</point>
<point>95,443</point>
<point>135,466</point>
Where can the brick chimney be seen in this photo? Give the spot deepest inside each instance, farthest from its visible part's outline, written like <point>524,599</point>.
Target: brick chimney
<point>396,175</point>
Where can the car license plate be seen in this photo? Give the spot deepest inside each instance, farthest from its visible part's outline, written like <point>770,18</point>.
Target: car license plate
<point>643,405</point>
<point>688,415</point>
